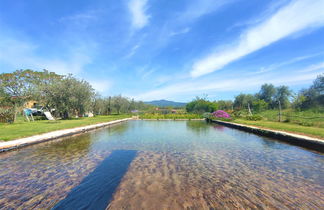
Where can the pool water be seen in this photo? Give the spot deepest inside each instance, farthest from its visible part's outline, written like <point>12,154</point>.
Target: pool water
<point>162,165</point>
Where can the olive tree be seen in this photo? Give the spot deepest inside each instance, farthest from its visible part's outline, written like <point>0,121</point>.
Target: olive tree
<point>69,96</point>
<point>16,88</point>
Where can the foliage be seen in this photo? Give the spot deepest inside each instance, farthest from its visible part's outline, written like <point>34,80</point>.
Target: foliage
<point>201,105</point>
<point>254,117</point>
<point>267,93</point>
<point>117,104</point>
<point>242,100</point>
<point>16,88</point>
<point>312,97</point>
<point>207,115</point>
<point>224,104</point>
<point>283,93</point>
<point>6,115</point>
<point>170,116</point>
<point>69,96</point>
<point>259,105</point>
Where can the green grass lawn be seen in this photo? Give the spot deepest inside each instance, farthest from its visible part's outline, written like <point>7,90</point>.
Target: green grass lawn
<point>289,127</point>
<point>310,118</point>
<point>22,129</point>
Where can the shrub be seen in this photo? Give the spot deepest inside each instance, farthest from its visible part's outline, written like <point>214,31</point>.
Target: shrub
<point>305,123</point>
<point>238,114</point>
<point>221,114</point>
<point>207,115</point>
<point>254,117</point>
<point>6,115</point>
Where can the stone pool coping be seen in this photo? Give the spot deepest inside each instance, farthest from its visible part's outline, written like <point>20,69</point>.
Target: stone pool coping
<point>13,144</point>
<point>296,139</point>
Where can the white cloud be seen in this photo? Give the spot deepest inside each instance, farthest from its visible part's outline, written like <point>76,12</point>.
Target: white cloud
<point>216,85</point>
<point>182,31</point>
<point>314,67</point>
<point>138,9</point>
<point>132,51</point>
<point>294,17</point>
<point>18,54</point>
<point>101,86</point>
<point>197,9</point>
<point>285,63</point>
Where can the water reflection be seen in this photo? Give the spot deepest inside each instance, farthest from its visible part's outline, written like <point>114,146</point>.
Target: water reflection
<point>197,126</point>
<point>179,165</point>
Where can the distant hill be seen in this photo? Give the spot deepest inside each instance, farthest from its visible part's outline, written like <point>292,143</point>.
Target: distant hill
<point>165,103</point>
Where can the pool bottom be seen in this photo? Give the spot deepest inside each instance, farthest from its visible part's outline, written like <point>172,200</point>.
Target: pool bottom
<point>96,190</point>
<point>171,181</point>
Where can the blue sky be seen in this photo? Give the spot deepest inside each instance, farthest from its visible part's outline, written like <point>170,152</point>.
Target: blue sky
<point>163,49</point>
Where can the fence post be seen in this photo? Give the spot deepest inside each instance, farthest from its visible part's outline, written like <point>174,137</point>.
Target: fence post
<point>279,111</point>
<point>250,113</point>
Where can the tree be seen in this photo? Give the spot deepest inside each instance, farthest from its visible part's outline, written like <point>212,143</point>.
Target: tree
<point>267,93</point>
<point>117,102</point>
<point>283,93</point>
<point>201,105</point>
<point>225,105</point>
<point>312,97</point>
<point>242,100</point>
<point>259,105</point>
<point>69,95</point>
<point>16,87</point>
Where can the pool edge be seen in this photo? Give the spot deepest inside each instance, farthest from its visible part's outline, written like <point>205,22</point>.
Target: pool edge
<point>295,139</point>
<point>22,142</point>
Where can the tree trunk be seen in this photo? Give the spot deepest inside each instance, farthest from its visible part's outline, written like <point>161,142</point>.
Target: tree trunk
<point>279,111</point>
<point>65,115</point>
<point>15,112</point>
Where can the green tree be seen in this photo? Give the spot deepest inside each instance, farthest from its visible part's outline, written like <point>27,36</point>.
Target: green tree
<point>242,100</point>
<point>267,93</point>
<point>283,93</point>
<point>69,96</point>
<point>16,88</point>
<point>117,103</point>
<point>312,97</point>
<point>201,105</point>
<point>259,105</point>
<point>225,105</point>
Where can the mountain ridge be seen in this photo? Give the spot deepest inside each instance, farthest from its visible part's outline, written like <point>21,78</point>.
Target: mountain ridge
<point>166,103</point>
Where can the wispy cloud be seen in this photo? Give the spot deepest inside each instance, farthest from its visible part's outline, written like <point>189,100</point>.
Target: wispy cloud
<point>182,31</point>
<point>294,17</point>
<point>132,51</point>
<point>198,86</point>
<point>138,9</point>
<point>22,54</point>
<point>101,86</point>
<point>80,17</point>
<point>277,66</point>
<point>197,9</point>
<point>314,67</point>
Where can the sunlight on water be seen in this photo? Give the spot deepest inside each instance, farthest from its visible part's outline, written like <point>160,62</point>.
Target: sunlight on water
<point>179,164</point>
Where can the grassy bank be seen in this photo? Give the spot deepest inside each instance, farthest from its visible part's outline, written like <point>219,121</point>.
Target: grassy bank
<point>170,116</point>
<point>309,118</point>
<point>288,127</point>
<point>22,129</point>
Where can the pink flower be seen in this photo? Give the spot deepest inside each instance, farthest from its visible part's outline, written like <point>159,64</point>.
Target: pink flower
<point>221,114</point>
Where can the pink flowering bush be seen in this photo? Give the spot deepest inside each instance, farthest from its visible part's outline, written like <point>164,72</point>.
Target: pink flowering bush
<point>221,114</point>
